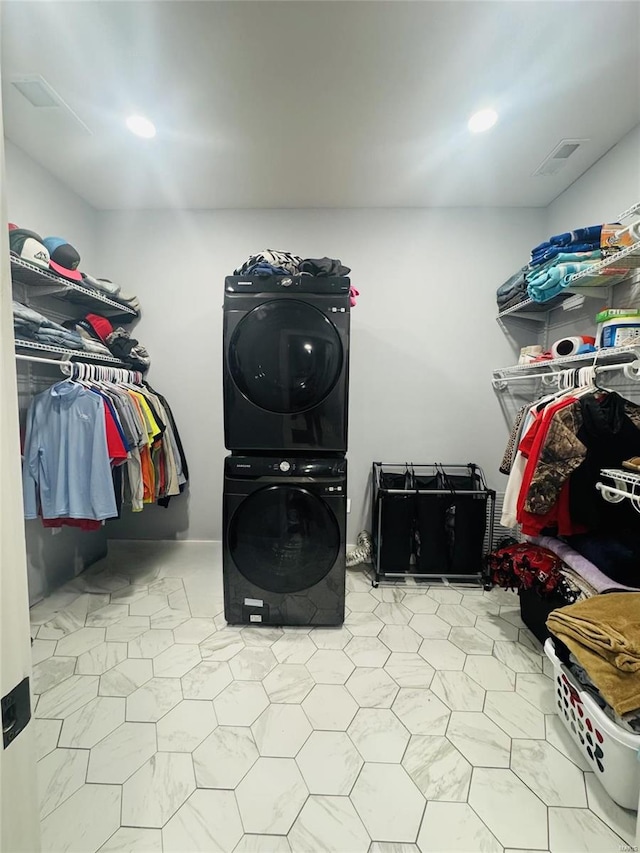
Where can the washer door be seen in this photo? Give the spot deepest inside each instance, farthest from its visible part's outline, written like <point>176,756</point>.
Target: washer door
<point>284,539</point>
<point>285,356</point>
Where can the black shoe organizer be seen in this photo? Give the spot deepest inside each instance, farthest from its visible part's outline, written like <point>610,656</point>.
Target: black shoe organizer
<point>431,521</point>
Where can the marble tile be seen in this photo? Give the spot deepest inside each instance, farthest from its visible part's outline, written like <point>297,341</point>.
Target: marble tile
<point>150,702</point>
<point>120,754</point>
<point>281,730</point>
<point>151,643</point>
<point>206,680</point>
<point>42,650</point>
<point>100,582</point>
<point>178,601</point>
<point>240,704</point>
<point>329,825</point>
<point>457,615</point>
<point>224,757</point>
<point>378,735</point>
<point>421,711</point>
<point>437,768</point>
<point>361,602</point>
<point>445,595</point>
<point>127,629</point>
<point>458,691</point>
<point>442,654</point>
<point>511,614</point>
<point>265,635</point>
<point>157,790</point>
<point>168,618</point>
<point>329,707</point>
<point>83,822</point>
<point>496,628</point>
<point>455,828</point>
<point>47,733</point>
<point>551,776</point>
<point>66,697</point>
<point>130,593</point>
<point>101,658</point>
<point>270,796</point>
<point>517,717</point>
<point>194,630</point>
<point>165,586</point>
<point>293,648</point>
<point>126,677</point>
<point>107,615</point>
<point>130,839</point>
<point>580,829</point>
<point>253,664</point>
<point>392,613</point>
<point>471,641</point>
<point>537,689</point>
<point>430,627</point>
<point>558,736</point>
<point>222,645</point>
<point>408,670</point>
<point>418,602</point>
<point>288,682</point>
<point>400,638</point>
<point>372,688</point>
<point>507,598</point>
<point>511,811</point>
<point>50,672</point>
<point>330,666</point>
<point>72,617</point>
<point>388,593</point>
<point>60,774</point>
<point>186,726</point>
<point>480,605</point>
<point>329,763</point>
<point>176,661</point>
<point>148,605</point>
<point>364,624</point>
<point>490,673</point>
<point>622,821</point>
<point>388,802</point>
<point>330,638</point>
<point>358,578</point>
<point>528,639</point>
<point>263,844</point>
<point>367,651</point>
<point>80,641</point>
<point>391,847</point>
<point>90,724</point>
<point>46,609</point>
<point>481,742</point>
<point>209,822</point>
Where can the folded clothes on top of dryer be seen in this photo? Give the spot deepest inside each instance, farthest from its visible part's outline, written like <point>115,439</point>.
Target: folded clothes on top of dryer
<point>272,262</point>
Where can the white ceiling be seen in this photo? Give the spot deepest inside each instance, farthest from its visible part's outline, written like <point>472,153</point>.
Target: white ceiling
<point>321,104</point>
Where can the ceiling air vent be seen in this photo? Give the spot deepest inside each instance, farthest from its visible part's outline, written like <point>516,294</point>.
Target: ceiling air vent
<point>41,95</point>
<point>557,160</point>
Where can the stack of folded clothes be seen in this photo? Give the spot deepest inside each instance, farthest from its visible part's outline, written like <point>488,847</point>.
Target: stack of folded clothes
<point>271,262</point>
<point>600,643</point>
<point>31,326</point>
<point>513,291</point>
<point>107,288</point>
<point>558,258</point>
<point>97,331</point>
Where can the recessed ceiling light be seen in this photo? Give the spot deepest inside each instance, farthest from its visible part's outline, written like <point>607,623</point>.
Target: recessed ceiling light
<point>141,126</point>
<point>482,120</point>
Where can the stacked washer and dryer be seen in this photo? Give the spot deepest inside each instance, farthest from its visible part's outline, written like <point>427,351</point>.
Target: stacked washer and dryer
<point>286,383</point>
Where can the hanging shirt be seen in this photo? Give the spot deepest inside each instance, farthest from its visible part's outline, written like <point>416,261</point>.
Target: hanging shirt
<point>66,463</point>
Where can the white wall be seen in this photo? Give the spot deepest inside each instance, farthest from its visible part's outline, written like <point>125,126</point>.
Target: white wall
<point>424,335</point>
<point>610,186</point>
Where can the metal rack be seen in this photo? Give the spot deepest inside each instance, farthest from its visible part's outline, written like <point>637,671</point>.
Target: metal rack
<point>67,354</point>
<point>625,359</point>
<point>626,485</point>
<point>448,473</point>
<point>49,284</point>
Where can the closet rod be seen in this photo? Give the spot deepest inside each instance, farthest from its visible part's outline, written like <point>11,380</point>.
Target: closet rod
<point>61,364</point>
<point>605,368</point>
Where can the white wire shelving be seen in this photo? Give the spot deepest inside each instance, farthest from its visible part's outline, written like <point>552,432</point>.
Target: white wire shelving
<point>626,485</point>
<point>625,359</point>
<point>47,283</point>
<point>66,354</point>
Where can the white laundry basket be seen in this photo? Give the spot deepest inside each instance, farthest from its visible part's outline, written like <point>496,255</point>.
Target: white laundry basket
<point>611,750</point>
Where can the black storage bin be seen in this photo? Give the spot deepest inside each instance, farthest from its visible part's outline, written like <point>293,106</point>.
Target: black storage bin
<point>433,550</point>
<point>396,523</point>
<point>534,611</point>
<point>466,522</point>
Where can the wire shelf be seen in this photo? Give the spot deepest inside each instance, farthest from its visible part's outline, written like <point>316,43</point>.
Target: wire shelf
<point>621,475</point>
<point>608,355</point>
<point>50,284</point>
<point>610,270</point>
<point>626,484</point>
<point>81,355</point>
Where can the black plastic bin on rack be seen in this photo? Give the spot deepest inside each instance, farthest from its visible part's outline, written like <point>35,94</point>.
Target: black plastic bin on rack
<point>430,521</point>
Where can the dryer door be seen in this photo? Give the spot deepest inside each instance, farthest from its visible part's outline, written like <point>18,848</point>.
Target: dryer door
<point>285,356</point>
<point>284,539</point>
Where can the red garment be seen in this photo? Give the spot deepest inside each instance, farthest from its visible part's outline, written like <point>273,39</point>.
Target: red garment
<point>82,523</point>
<point>115,447</point>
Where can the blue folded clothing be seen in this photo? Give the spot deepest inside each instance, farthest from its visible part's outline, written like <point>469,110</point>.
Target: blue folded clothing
<point>263,269</point>
<point>590,234</point>
<point>554,253</point>
<point>550,282</point>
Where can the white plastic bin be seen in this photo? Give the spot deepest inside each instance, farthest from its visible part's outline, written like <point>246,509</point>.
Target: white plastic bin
<point>610,749</point>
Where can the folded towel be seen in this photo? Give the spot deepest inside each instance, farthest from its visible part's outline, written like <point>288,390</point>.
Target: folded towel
<point>581,251</point>
<point>603,633</point>
<point>590,234</point>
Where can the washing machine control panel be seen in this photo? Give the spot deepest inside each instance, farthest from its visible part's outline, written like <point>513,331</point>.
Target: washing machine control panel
<point>284,466</point>
<point>256,466</point>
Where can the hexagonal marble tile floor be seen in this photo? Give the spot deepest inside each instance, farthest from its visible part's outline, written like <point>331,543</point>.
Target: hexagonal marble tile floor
<point>426,723</point>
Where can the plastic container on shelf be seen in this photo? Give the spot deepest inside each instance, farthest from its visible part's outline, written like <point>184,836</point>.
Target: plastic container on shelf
<point>612,751</point>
